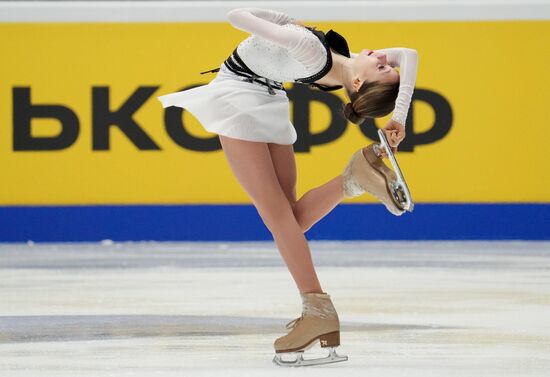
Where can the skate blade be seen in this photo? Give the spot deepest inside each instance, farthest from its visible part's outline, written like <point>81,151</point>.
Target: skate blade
<point>400,190</point>
<point>333,357</point>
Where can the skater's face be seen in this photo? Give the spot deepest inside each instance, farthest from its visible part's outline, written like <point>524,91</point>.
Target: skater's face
<point>372,66</point>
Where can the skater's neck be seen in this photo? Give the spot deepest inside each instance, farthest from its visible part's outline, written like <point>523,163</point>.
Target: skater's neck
<point>340,72</point>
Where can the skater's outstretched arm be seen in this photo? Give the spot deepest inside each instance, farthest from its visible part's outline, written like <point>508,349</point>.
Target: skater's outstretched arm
<point>407,61</point>
<point>244,18</point>
<point>283,30</point>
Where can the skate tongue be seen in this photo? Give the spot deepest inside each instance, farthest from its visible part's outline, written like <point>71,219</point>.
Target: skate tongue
<point>305,296</point>
<point>317,304</point>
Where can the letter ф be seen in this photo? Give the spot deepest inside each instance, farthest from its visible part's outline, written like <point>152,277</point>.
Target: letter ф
<point>23,113</point>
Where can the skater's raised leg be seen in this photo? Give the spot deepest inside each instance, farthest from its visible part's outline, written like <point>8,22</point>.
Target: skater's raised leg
<point>365,172</point>
<point>318,202</point>
<point>252,166</point>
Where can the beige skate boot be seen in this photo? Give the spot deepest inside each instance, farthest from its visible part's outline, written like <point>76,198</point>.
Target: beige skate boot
<point>319,321</point>
<point>366,172</point>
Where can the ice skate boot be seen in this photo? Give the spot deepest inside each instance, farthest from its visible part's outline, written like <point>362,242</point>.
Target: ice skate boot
<point>367,172</point>
<point>319,321</point>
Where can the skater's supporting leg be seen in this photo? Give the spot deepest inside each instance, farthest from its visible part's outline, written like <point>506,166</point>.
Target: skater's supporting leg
<point>314,204</point>
<point>319,320</point>
<point>252,166</point>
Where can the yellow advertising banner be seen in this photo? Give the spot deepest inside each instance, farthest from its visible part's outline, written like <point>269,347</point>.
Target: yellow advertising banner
<point>80,122</point>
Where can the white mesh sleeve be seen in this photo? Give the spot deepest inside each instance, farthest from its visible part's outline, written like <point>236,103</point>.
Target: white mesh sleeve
<point>278,28</point>
<point>407,61</point>
<point>265,23</point>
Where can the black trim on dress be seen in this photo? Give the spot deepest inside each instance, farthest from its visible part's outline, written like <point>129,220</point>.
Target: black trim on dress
<point>330,40</point>
<point>235,64</point>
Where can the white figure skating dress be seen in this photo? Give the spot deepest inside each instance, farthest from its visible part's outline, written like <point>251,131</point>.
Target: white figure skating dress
<point>246,100</point>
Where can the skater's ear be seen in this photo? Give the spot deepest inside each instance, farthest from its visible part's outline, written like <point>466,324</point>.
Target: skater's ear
<point>356,83</point>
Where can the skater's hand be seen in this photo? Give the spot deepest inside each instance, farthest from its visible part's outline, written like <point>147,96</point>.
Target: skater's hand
<point>395,133</point>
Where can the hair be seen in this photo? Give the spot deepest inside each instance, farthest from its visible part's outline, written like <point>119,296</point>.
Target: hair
<point>372,100</point>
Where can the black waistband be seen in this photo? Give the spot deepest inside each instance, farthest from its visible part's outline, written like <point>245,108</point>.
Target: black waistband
<point>235,64</point>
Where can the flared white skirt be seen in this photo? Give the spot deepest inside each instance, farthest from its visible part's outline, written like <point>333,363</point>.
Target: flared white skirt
<point>229,106</point>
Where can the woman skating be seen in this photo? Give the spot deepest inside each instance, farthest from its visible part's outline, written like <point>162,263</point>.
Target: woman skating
<point>247,106</point>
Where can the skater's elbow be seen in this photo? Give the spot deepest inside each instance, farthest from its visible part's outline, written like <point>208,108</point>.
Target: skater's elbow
<point>413,54</point>
<point>409,51</point>
<point>234,14</point>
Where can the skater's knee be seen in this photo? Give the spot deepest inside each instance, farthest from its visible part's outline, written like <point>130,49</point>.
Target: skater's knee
<point>276,213</point>
<point>274,218</point>
<point>300,218</point>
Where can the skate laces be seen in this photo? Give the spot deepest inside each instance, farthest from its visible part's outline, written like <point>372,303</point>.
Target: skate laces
<point>321,312</point>
<point>292,324</point>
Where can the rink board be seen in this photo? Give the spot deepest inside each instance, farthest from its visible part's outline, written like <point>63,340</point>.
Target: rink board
<point>242,223</point>
<point>478,104</point>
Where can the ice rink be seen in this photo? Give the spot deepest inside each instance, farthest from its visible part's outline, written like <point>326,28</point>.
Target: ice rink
<point>214,309</point>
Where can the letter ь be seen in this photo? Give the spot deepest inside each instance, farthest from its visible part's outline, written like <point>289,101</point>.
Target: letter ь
<point>24,111</point>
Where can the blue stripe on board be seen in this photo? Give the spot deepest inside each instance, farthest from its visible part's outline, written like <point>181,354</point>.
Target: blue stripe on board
<point>242,222</point>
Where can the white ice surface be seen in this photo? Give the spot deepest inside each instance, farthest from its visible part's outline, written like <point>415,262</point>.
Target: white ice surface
<point>214,309</point>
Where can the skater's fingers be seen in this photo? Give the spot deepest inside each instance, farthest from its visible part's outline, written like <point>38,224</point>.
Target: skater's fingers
<point>393,125</point>
<point>393,141</point>
<point>400,134</point>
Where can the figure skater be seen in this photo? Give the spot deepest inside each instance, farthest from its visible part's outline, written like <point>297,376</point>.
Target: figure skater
<point>247,106</point>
